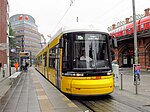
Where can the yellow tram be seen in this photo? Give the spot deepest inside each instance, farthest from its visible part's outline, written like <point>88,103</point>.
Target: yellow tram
<point>77,61</point>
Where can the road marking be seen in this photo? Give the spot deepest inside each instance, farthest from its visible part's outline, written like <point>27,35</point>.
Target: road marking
<point>42,97</point>
<point>71,105</point>
<point>65,99</point>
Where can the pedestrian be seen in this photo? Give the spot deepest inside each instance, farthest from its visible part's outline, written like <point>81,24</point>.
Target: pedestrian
<point>16,65</point>
<point>22,67</point>
<point>26,66</point>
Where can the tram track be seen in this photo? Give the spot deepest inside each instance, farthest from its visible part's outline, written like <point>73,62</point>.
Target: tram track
<point>110,103</point>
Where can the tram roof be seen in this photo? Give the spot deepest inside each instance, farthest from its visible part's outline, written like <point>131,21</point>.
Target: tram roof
<point>78,27</point>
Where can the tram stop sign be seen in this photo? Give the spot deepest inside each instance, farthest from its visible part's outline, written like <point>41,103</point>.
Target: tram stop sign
<point>24,54</point>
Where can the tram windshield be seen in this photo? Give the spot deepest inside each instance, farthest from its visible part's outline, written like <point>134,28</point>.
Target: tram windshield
<point>90,51</point>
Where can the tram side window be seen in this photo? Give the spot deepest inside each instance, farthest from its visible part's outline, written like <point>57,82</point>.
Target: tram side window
<point>45,59</point>
<point>38,60</point>
<point>57,57</point>
<point>64,53</point>
<point>41,59</point>
<point>52,57</point>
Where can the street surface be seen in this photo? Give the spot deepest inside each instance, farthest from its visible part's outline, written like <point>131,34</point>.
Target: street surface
<point>27,95</point>
<point>125,100</point>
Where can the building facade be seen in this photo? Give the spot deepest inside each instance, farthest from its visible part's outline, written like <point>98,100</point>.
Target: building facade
<point>28,39</point>
<point>124,54</point>
<point>4,16</point>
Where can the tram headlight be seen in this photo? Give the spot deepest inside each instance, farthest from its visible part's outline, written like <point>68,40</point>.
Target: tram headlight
<point>79,74</point>
<point>74,74</point>
<point>109,73</point>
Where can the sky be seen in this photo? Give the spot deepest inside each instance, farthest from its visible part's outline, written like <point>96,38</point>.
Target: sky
<point>50,15</point>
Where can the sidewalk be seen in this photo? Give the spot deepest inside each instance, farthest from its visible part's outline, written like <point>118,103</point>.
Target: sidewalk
<point>5,83</point>
<point>142,98</point>
<point>33,93</point>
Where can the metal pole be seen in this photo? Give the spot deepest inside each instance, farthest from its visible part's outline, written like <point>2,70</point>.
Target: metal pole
<point>77,19</point>
<point>136,88</point>
<point>30,58</point>
<point>121,82</point>
<point>135,34</point>
<point>8,61</point>
<point>22,49</point>
<point>22,44</point>
<point>8,53</point>
<point>135,43</point>
<point>43,39</point>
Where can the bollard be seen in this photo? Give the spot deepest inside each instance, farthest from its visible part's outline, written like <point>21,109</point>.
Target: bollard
<point>3,72</point>
<point>121,77</point>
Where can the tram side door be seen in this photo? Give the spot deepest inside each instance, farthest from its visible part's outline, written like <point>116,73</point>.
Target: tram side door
<point>57,67</point>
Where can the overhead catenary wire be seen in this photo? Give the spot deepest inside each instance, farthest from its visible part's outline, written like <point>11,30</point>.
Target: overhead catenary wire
<point>109,10</point>
<point>106,13</point>
<point>102,17</point>
<point>71,2</point>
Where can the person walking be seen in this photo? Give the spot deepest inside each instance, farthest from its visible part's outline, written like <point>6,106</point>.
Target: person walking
<point>26,66</point>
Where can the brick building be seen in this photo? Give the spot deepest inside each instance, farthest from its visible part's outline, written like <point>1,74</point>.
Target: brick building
<point>125,51</point>
<point>3,30</point>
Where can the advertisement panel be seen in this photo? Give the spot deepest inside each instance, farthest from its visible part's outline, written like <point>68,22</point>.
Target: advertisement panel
<point>136,72</point>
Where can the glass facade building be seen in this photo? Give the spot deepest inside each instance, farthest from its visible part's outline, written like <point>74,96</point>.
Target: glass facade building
<point>28,39</point>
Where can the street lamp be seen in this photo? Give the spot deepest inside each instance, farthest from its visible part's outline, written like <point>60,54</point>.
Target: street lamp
<point>43,39</point>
